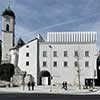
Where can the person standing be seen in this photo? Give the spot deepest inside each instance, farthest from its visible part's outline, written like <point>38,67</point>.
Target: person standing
<point>65,85</point>
<point>29,84</point>
<point>33,84</point>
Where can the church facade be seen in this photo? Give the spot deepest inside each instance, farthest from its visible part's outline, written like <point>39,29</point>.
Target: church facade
<point>63,56</point>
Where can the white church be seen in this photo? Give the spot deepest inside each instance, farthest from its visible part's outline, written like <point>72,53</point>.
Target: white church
<point>63,56</point>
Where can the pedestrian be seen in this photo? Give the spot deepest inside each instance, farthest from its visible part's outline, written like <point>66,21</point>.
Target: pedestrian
<point>91,84</point>
<point>86,84</point>
<point>65,84</point>
<point>23,83</point>
<point>29,84</point>
<point>33,84</point>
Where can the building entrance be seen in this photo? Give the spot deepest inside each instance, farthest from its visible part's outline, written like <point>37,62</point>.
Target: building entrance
<point>44,78</point>
<point>45,81</point>
<point>97,81</point>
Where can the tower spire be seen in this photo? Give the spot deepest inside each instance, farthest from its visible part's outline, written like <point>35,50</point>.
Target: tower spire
<point>9,4</point>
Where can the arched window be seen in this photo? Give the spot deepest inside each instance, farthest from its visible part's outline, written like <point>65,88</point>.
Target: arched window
<point>7,27</point>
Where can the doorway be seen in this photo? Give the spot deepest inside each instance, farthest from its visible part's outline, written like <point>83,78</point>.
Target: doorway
<point>44,78</point>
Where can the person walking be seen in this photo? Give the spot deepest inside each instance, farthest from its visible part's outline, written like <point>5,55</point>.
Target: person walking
<point>29,84</point>
<point>65,85</point>
<point>33,84</point>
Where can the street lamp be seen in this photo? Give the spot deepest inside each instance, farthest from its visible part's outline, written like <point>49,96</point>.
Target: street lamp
<point>78,58</point>
<point>50,67</point>
<point>78,72</point>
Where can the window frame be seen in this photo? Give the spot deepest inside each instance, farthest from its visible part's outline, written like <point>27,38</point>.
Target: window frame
<point>54,53</point>
<point>86,63</point>
<point>7,27</point>
<point>27,46</point>
<point>86,53</point>
<point>44,63</point>
<point>55,64</point>
<point>65,53</point>
<point>65,64</point>
<point>44,53</point>
<point>27,63</point>
<point>76,63</point>
<point>76,55</point>
<point>27,54</point>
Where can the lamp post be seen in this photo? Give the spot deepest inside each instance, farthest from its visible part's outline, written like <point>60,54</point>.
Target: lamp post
<point>24,80</point>
<point>78,72</point>
<point>78,64</point>
<point>50,67</point>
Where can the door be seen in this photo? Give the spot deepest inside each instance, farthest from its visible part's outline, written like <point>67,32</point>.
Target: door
<point>44,80</point>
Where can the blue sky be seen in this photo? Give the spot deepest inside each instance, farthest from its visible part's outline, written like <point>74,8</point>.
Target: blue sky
<point>54,15</point>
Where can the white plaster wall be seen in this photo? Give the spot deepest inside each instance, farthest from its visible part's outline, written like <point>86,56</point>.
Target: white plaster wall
<point>11,23</point>
<point>32,68</point>
<point>6,44</point>
<point>7,37</point>
<point>14,57</point>
<point>69,74</point>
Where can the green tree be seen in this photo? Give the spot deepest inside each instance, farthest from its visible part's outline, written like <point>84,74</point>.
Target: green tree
<point>6,71</point>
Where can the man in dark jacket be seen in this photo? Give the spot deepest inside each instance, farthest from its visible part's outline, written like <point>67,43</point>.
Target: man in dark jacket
<point>29,84</point>
<point>33,84</point>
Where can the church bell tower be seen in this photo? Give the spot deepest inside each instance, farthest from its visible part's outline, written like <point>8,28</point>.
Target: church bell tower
<point>8,33</point>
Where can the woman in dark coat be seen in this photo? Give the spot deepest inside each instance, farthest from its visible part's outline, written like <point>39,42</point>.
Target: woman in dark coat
<point>33,84</point>
<point>29,84</point>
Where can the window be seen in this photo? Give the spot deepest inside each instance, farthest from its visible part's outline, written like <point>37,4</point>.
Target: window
<point>99,67</point>
<point>6,55</point>
<point>86,64</point>
<point>55,64</point>
<point>27,54</point>
<point>7,27</point>
<point>44,54</point>
<point>27,46</point>
<point>86,53</point>
<point>44,64</point>
<point>27,63</point>
<point>76,64</point>
<point>76,53</point>
<point>65,64</point>
<point>55,53</point>
<point>65,53</point>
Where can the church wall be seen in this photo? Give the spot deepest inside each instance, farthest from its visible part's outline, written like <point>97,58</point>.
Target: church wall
<point>30,48</point>
<point>7,36</point>
<point>6,45</point>
<point>10,21</point>
<point>14,57</point>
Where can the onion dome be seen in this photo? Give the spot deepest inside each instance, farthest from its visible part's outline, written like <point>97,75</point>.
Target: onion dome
<point>20,43</point>
<point>8,12</point>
